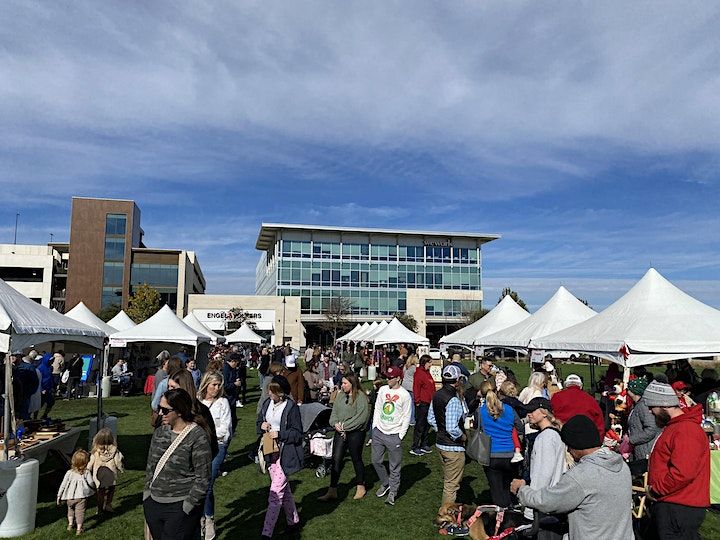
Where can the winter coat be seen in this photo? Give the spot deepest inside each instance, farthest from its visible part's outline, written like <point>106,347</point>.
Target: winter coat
<point>47,383</point>
<point>76,485</point>
<point>105,466</point>
<point>596,494</point>
<point>679,468</point>
<point>642,430</point>
<point>289,437</point>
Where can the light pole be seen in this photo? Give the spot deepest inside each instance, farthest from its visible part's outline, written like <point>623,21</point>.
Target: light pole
<point>283,327</point>
<point>17,217</point>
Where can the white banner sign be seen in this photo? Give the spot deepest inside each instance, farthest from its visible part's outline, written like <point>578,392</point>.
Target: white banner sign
<point>537,356</point>
<point>118,342</point>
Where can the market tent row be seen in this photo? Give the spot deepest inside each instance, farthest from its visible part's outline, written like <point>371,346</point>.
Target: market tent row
<point>653,322</point>
<point>83,314</point>
<point>351,333</point>
<point>561,311</point>
<point>23,323</point>
<point>121,321</point>
<point>397,332</point>
<point>506,313</point>
<point>244,334</point>
<point>368,329</point>
<point>193,322</point>
<point>165,327</point>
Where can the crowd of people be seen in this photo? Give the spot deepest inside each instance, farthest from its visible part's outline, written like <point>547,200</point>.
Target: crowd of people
<point>551,455</point>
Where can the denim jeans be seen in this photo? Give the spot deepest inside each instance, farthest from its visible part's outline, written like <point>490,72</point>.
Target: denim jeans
<point>216,463</point>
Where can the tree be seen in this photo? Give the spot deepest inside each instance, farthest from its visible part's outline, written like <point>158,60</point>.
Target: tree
<point>408,321</point>
<point>585,302</point>
<point>108,312</point>
<point>144,303</point>
<point>238,316</point>
<point>474,315</point>
<point>513,295</point>
<point>337,315</point>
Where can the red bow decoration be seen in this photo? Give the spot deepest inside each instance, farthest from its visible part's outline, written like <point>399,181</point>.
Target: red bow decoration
<point>392,399</point>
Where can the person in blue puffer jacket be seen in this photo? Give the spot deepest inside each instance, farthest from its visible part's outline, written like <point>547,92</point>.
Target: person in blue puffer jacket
<point>497,419</point>
<point>47,383</point>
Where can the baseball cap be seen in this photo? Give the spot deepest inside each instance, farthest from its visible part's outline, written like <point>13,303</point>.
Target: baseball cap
<point>451,373</point>
<point>538,403</point>
<point>679,385</point>
<point>573,379</point>
<point>234,357</point>
<point>394,371</point>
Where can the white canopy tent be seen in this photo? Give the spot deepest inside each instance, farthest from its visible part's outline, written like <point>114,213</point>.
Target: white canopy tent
<point>121,321</point>
<point>360,336</point>
<point>357,332</point>
<point>24,322</point>
<point>506,313</point>
<point>397,332</point>
<point>561,311</point>
<point>83,314</point>
<point>244,334</point>
<point>164,326</point>
<point>382,325</point>
<point>193,322</point>
<point>348,336</point>
<point>653,322</point>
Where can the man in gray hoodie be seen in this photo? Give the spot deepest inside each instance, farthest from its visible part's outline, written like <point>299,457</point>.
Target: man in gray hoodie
<point>596,493</point>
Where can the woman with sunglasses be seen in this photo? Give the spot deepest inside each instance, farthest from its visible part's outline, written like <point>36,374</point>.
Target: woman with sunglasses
<point>178,470</point>
<point>280,417</point>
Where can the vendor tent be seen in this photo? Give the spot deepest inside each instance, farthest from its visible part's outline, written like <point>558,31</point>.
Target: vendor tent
<point>360,336</point>
<point>121,321</point>
<point>165,327</point>
<point>653,322</point>
<point>244,334</point>
<point>561,311</point>
<point>24,323</point>
<point>83,314</point>
<point>357,331</point>
<point>505,314</point>
<point>397,332</point>
<point>193,322</point>
<point>382,325</point>
<point>348,336</point>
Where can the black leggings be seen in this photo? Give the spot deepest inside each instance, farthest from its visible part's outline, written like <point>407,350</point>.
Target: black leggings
<point>353,441</point>
<point>420,436</point>
<point>500,474</point>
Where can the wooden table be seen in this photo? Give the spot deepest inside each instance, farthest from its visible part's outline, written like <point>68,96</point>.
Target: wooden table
<point>61,446</point>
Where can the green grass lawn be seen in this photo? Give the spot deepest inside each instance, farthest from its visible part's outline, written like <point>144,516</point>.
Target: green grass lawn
<point>241,496</point>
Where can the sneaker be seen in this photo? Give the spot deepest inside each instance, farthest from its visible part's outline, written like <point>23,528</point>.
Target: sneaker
<point>390,499</point>
<point>517,457</point>
<point>426,450</point>
<point>239,405</point>
<point>457,530</point>
<point>416,452</point>
<point>382,491</point>
<point>369,442</point>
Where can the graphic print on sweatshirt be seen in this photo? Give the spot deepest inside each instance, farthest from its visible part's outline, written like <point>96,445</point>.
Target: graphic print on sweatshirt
<point>389,407</point>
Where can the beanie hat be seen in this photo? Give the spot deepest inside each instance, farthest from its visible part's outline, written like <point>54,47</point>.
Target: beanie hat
<point>451,373</point>
<point>573,379</point>
<point>638,386</point>
<point>660,395</point>
<point>580,433</point>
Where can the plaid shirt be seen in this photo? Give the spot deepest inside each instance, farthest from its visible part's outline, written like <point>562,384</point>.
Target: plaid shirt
<point>454,411</point>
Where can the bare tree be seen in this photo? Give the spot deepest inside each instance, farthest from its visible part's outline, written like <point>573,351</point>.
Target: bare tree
<point>337,315</point>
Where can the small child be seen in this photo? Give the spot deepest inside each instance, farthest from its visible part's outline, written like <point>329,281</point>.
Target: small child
<point>76,487</point>
<point>106,462</point>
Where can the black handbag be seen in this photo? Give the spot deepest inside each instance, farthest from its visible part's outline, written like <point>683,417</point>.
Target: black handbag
<point>478,446</point>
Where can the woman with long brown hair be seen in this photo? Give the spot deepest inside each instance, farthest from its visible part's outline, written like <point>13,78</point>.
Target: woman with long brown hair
<point>498,420</point>
<point>350,414</point>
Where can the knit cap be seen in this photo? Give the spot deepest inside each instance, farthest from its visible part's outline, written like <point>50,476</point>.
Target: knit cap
<point>580,433</point>
<point>660,395</point>
<point>638,386</point>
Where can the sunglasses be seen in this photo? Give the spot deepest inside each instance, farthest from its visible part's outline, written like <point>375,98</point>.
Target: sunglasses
<point>165,410</point>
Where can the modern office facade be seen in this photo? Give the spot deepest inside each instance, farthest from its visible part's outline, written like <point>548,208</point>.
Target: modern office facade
<point>38,272</point>
<point>108,259</point>
<point>434,276</point>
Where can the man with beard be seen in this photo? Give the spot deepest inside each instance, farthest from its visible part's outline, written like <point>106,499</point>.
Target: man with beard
<point>679,468</point>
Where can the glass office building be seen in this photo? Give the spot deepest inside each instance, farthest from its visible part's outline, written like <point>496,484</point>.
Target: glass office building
<point>435,276</point>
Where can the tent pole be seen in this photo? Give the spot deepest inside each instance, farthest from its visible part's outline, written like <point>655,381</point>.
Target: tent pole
<point>6,412</point>
<point>101,370</point>
<point>592,374</point>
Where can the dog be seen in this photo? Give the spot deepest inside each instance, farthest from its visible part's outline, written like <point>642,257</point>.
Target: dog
<point>482,521</point>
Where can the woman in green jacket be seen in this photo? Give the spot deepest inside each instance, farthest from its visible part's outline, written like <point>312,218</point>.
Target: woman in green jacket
<point>349,416</point>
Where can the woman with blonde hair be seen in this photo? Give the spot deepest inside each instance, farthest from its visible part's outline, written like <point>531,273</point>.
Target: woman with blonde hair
<point>408,381</point>
<point>498,421</point>
<point>536,387</point>
<point>211,395</point>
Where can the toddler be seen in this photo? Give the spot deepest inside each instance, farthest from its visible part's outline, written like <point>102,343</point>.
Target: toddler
<point>76,487</point>
<point>106,462</point>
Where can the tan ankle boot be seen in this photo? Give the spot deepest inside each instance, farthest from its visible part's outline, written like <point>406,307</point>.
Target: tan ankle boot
<point>360,492</point>
<point>331,495</point>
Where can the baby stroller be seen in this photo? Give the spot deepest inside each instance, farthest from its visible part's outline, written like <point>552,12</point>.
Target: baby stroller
<point>315,419</point>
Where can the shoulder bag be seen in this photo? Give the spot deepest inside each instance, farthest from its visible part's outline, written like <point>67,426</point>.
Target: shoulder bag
<point>478,443</point>
<point>169,452</point>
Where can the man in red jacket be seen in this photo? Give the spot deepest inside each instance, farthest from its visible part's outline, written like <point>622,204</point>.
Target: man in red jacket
<point>679,468</point>
<point>573,401</point>
<point>423,391</point>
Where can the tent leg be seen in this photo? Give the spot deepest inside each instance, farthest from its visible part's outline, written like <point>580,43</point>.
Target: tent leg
<point>101,372</point>
<point>6,415</point>
<point>592,374</point>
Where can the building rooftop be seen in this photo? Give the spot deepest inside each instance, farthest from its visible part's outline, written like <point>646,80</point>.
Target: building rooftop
<point>268,232</point>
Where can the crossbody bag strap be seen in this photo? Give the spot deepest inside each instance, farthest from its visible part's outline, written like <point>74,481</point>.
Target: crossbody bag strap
<point>169,452</point>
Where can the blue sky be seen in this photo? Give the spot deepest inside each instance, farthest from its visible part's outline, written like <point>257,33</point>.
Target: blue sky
<point>588,135</point>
